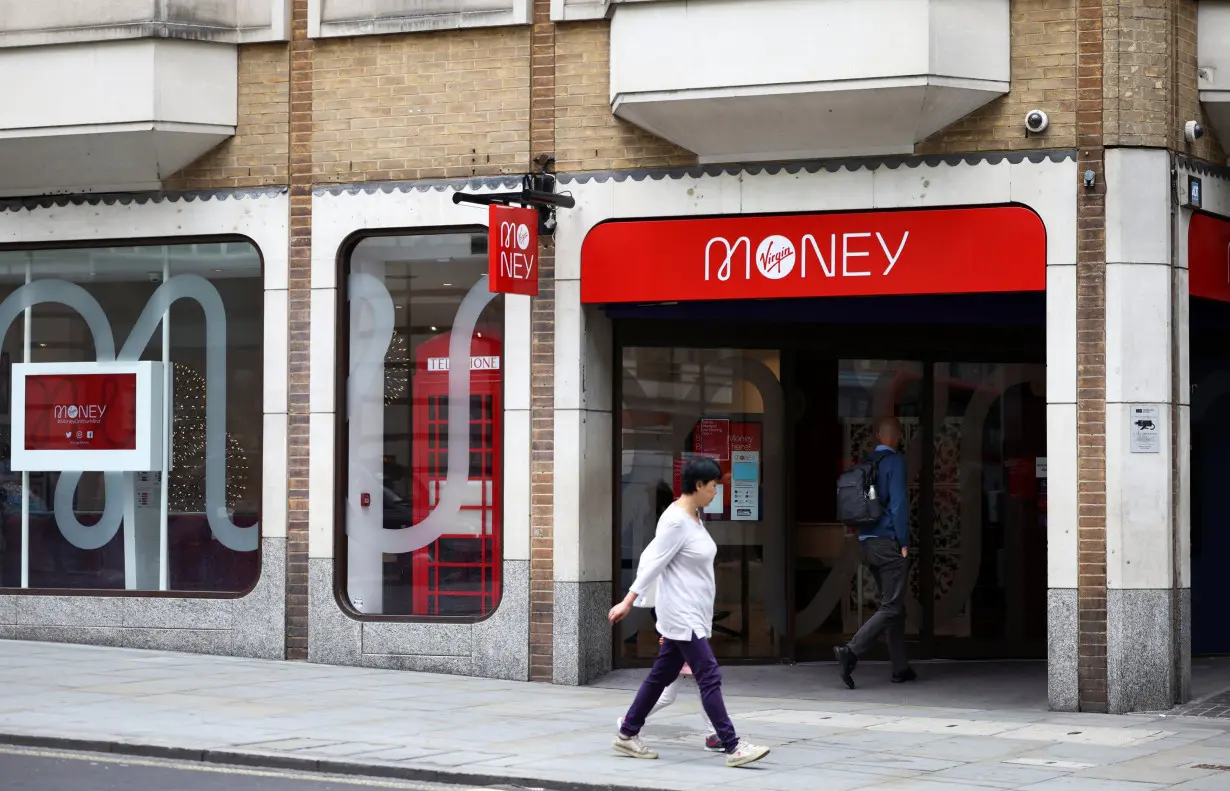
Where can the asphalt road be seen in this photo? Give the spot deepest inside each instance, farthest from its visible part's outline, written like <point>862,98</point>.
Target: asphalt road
<point>24,769</point>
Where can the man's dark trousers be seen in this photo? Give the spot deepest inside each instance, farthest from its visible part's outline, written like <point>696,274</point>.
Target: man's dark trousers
<point>883,556</point>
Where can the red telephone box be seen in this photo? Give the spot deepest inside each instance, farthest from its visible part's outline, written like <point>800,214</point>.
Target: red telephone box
<point>459,573</point>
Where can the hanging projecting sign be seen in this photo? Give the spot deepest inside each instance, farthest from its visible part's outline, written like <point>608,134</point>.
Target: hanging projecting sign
<point>1208,257</point>
<point>105,417</point>
<point>935,251</point>
<point>512,250</point>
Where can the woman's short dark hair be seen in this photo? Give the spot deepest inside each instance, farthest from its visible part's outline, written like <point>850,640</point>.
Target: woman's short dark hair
<point>698,471</point>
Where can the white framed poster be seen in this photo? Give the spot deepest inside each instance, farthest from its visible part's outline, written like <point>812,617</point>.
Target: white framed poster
<point>88,417</point>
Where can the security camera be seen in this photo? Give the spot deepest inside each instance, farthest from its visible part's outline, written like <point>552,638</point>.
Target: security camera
<point>1036,121</point>
<point>1193,131</point>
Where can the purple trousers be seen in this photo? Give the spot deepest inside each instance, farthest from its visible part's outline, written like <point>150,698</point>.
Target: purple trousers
<point>697,653</point>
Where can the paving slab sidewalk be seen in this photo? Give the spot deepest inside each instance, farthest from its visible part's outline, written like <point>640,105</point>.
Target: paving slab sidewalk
<point>483,732</point>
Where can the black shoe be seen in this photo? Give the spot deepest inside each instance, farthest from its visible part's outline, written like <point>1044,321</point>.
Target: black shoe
<point>905,675</point>
<point>846,661</point>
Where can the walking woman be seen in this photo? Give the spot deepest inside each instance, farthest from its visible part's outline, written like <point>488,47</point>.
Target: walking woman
<point>680,561</point>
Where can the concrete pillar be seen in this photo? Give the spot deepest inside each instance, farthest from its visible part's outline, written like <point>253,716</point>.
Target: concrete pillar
<point>1147,612</point>
<point>584,480</point>
<point>1061,492</point>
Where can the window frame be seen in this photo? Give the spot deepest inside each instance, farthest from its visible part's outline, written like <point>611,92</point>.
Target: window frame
<point>161,241</point>
<point>341,433</point>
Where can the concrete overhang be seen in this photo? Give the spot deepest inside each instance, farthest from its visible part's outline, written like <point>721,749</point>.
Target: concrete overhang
<point>112,115</point>
<point>1213,62</point>
<point>754,80</point>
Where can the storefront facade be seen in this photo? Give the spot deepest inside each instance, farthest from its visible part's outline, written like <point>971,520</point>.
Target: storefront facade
<point>190,555</point>
<point>437,477</point>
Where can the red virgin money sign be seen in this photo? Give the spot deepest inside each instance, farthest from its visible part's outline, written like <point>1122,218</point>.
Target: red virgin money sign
<point>1208,257</point>
<point>512,250</point>
<point>935,251</point>
<point>81,412</point>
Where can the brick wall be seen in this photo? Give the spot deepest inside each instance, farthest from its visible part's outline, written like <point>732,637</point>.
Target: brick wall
<point>1137,75</point>
<point>256,155</point>
<point>299,300</point>
<point>588,136</point>
<point>1092,90</point>
<point>452,104</point>
<point>1043,52</point>
<point>542,365</point>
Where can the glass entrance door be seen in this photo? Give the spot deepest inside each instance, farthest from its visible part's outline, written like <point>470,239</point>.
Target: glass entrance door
<point>783,424</point>
<point>840,403</point>
<point>974,439</point>
<point>727,404</point>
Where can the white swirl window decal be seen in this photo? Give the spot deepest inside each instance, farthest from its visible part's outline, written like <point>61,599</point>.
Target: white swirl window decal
<point>186,286</point>
<point>365,388</point>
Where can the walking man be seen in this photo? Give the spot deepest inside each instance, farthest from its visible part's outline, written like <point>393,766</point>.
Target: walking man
<point>885,547</point>
<point>680,560</point>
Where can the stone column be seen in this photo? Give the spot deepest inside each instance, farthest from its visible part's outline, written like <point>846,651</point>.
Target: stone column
<point>584,484</point>
<point>1147,621</point>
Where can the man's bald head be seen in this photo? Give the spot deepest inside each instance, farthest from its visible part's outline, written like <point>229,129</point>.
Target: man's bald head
<point>888,431</point>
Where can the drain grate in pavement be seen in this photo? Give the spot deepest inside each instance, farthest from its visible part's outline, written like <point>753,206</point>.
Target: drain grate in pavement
<point>1214,767</point>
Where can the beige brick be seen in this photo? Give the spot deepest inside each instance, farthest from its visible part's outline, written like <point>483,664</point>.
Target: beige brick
<point>257,154</point>
<point>588,136</point>
<point>425,105</point>
<point>1043,62</point>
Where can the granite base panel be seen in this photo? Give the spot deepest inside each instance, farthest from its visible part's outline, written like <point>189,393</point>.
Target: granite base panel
<point>1148,663</point>
<point>497,647</point>
<point>1185,645</point>
<point>581,634</point>
<point>1063,686</point>
<point>253,626</point>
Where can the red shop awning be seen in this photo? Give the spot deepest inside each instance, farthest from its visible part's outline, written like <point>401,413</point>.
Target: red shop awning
<point>933,251</point>
<point>1208,257</point>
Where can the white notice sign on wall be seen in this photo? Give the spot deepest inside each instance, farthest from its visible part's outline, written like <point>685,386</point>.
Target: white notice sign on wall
<point>1145,429</point>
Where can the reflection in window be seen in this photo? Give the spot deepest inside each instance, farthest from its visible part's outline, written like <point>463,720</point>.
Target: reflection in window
<point>194,523</point>
<point>725,404</point>
<point>423,492</point>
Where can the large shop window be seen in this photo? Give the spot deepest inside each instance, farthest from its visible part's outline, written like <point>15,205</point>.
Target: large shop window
<point>423,428</point>
<point>190,524</point>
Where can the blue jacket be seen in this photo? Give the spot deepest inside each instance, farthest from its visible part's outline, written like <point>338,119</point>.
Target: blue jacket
<point>891,490</point>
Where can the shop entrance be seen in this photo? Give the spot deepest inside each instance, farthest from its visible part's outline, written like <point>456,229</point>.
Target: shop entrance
<point>1209,333</point>
<point>785,394</point>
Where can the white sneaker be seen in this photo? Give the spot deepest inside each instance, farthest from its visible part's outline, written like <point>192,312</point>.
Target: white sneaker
<point>745,754</point>
<point>632,746</point>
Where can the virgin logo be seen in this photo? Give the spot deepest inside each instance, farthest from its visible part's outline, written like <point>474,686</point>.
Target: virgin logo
<point>515,262</point>
<point>776,255</point>
<point>511,232</point>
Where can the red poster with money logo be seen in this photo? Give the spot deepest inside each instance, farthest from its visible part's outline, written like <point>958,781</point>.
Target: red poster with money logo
<point>81,411</point>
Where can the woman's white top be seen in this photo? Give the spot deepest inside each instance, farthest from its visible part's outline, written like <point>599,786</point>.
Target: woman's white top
<point>676,573</point>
